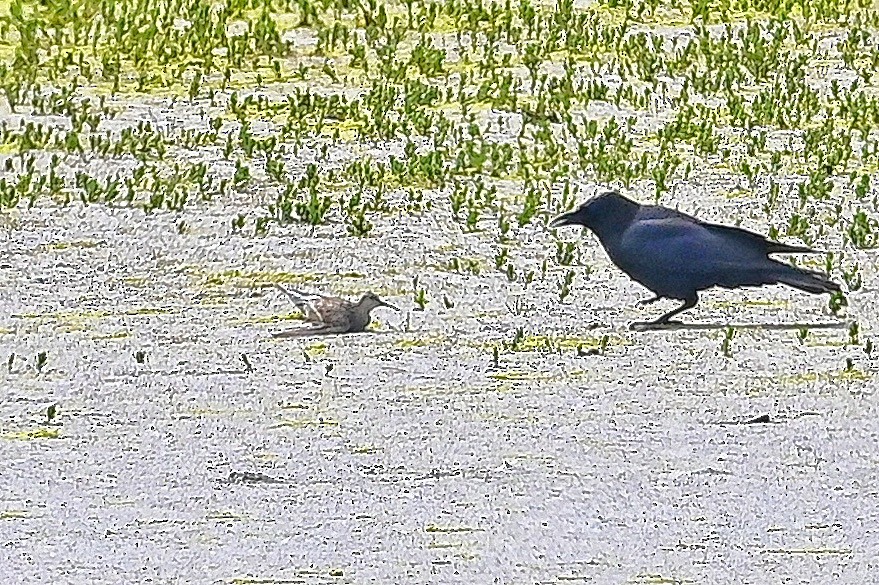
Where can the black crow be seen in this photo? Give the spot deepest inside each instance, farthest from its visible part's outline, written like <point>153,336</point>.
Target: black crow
<point>675,255</point>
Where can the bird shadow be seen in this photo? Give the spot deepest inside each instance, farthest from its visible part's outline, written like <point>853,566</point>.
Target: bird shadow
<point>302,332</point>
<point>673,326</point>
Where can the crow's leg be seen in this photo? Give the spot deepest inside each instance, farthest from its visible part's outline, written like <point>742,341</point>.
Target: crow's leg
<point>649,301</point>
<point>688,304</point>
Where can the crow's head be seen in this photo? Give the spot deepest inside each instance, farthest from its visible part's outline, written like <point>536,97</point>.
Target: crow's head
<point>606,211</point>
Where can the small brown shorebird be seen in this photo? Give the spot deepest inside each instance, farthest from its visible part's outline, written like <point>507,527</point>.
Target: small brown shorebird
<point>331,315</point>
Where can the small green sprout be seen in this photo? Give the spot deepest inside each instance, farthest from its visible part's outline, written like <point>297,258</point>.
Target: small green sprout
<point>726,344</point>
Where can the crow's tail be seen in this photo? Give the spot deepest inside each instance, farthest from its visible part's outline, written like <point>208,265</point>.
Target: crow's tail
<point>808,280</point>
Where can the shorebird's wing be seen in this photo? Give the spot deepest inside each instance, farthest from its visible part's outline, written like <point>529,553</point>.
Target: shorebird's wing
<point>308,304</point>
<point>335,312</point>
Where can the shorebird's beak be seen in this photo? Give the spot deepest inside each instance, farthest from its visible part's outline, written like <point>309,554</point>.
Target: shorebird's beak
<point>568,218</point>
<point>389,305</point>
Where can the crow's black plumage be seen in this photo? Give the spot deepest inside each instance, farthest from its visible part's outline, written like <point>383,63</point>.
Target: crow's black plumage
<point>676,255</point>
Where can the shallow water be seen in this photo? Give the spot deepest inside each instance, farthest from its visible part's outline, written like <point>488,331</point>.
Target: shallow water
<point>409,456</point>
<point>496,436</point>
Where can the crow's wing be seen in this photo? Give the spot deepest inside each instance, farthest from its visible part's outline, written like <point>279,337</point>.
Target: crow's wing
<point>660,212</point>
<point>675,257</point>
<point>746,238</point>
<point>738,235</point>
<point>678,243</point>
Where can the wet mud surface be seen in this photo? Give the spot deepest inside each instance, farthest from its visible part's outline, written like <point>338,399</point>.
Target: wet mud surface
<point>509,424</point>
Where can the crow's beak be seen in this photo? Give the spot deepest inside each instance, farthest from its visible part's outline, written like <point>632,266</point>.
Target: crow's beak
<point>564,219</point>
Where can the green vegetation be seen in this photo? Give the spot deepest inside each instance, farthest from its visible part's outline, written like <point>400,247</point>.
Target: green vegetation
<point>492,112</point>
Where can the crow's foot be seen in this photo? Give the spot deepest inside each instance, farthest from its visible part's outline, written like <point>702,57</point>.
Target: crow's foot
<point>650,301</point>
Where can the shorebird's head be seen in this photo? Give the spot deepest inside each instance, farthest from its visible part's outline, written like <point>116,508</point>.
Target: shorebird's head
<point>606,211</point>
<point>370,301</point>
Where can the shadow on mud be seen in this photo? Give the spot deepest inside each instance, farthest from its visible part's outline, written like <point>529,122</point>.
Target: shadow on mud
<point>671,326</point>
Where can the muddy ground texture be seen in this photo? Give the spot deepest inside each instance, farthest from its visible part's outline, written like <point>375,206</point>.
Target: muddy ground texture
<point>506,425</point>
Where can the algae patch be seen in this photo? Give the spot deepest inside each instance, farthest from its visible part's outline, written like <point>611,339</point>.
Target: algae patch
<point>32,435</point>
